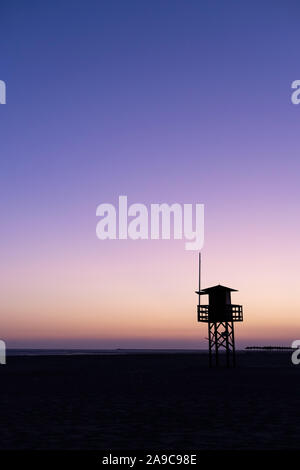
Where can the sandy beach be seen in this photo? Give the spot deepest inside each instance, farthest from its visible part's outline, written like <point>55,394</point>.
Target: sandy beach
<point>150,401</point>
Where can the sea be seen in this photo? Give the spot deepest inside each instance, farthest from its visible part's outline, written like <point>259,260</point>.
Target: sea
<point>101,352</point>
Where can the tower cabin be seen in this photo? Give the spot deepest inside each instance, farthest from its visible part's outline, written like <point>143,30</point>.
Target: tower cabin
<point>219,308</point>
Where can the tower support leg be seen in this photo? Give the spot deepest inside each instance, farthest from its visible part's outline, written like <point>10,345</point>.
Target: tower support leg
<point>226,332</point>
<point>221,335</point>
<point>216,343</point>
<point>210,341</point>
<point>233,345</point>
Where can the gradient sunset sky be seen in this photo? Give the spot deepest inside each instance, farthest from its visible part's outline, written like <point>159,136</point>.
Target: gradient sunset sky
<point>162,101</point>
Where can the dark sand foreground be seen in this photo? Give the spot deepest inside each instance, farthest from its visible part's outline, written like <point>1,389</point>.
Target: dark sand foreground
<point>161,401</point>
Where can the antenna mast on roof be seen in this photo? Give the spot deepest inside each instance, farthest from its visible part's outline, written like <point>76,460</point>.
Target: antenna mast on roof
<point>199,283</point>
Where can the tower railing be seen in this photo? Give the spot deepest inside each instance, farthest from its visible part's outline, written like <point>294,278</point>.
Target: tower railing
<point>209,313</point>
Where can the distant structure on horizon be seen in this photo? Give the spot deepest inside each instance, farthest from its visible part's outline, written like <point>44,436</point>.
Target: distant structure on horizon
<point>220,314</point>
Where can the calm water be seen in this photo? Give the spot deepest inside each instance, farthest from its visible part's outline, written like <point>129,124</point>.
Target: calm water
<point>71,352</point>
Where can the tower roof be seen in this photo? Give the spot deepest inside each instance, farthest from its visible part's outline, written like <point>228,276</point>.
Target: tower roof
<point>214,289</point>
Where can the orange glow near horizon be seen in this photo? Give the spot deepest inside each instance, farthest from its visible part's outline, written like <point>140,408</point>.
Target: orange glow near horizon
<point>136,293</point>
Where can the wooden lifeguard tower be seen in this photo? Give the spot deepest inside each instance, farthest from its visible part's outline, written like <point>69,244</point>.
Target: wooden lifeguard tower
<point>220,314</point>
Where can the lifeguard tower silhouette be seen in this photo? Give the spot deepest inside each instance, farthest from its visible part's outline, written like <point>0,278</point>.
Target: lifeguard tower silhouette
<point>220,314</point>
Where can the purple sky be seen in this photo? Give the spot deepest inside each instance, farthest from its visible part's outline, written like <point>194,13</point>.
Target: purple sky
<point>163,101</point>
